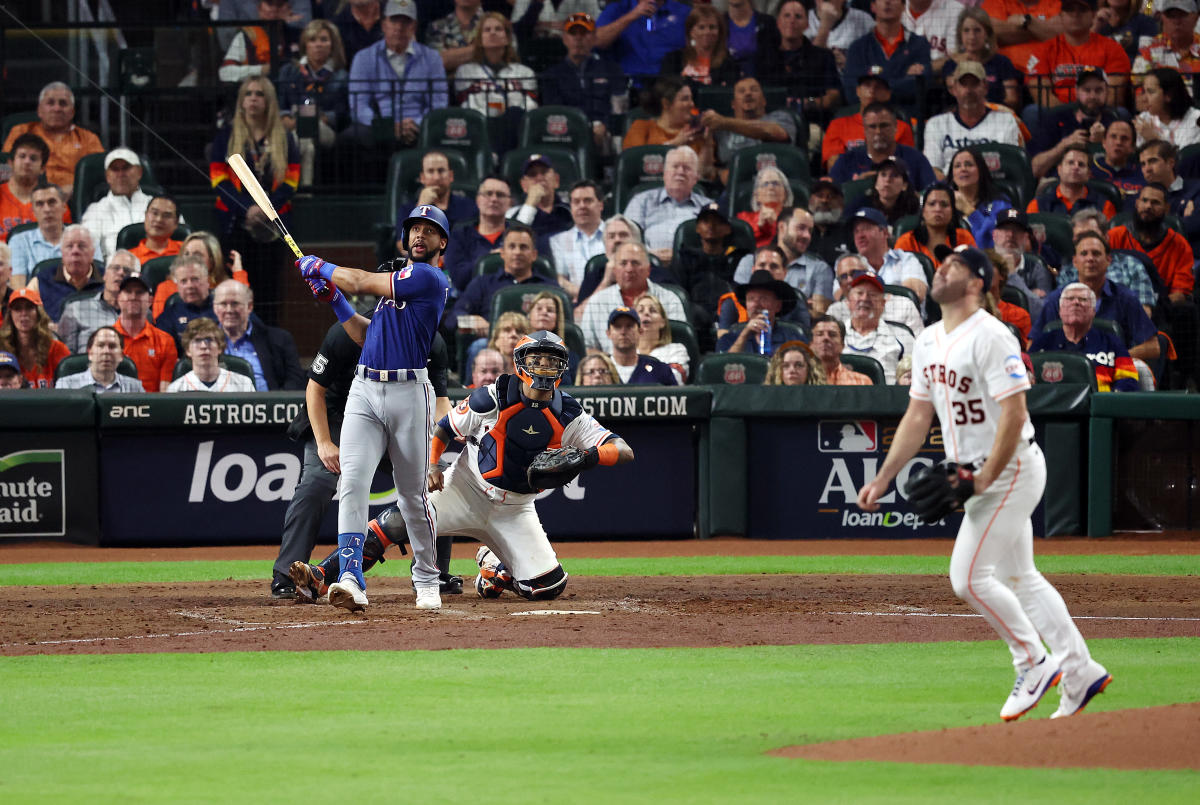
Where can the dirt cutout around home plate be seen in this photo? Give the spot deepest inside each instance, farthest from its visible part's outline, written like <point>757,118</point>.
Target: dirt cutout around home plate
<point>1149,738</point>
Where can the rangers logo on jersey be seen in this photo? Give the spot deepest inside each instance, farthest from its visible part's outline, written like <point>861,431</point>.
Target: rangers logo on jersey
<point>404,273</point>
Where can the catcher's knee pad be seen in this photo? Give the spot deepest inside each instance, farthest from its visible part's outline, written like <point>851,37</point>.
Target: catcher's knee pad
<point>544,587</point>
<point>386,529</point>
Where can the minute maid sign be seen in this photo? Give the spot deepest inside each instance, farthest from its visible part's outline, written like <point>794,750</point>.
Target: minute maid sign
<point>33,501</point>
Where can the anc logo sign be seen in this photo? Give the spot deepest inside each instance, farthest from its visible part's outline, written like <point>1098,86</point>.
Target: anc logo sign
<point>33,500</point>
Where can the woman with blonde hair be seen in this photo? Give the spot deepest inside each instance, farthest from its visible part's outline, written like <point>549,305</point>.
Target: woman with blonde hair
<point>597,370</point>
<point>976,41</point>
<point>258,134</point>
<point>772,192</point>
<point>654,337</point>
<point>314,99</point>
<point>206,247</point>
<point>26,334</point>
<point>546,312</point>
<point>495,82</point>
<point>795,365</point>
<point>506,332</point>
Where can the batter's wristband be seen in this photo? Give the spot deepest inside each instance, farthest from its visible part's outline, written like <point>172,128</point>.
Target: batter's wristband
<point>436,448</point>
<point>609,453</point>
<point>341,307</point>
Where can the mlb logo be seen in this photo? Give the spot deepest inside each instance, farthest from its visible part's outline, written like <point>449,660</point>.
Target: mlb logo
<point>1052,372</point>
<point>764,161</point>
<point>735,373</point>
<point>556,125</point>
<point>847,436</point>
<point>456,128</point>
<point>652,165</point>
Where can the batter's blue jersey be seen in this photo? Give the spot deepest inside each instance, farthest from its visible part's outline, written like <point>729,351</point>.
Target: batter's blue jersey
<point>402,327</point>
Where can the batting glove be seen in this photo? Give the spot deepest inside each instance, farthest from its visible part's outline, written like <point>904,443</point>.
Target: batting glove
<point>324,292</point>
<point>321,290</point>
<point>313,267</point>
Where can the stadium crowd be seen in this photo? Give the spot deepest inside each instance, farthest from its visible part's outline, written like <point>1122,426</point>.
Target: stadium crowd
<point>744,191</point>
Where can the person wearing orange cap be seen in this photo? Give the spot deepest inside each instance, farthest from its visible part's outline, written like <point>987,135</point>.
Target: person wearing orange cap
<point>26,334</point>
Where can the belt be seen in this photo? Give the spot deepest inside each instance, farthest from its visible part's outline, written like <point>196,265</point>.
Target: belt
<point>972,467</point>
<point>392,375</point>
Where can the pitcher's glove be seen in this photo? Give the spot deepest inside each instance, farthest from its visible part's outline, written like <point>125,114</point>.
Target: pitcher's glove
<point>558,467</point>
<point>936,491</point>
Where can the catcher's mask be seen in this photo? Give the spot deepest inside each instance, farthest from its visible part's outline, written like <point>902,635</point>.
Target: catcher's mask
<point>547,345</point>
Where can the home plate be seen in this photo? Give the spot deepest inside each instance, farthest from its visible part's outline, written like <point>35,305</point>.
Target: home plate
<point>557,612</point>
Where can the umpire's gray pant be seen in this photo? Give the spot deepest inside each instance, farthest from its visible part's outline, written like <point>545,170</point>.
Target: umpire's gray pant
<point>309,503</point>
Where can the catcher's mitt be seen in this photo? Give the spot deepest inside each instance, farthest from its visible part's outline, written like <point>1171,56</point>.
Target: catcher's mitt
<point>936,491</point>
<point>558,467</point>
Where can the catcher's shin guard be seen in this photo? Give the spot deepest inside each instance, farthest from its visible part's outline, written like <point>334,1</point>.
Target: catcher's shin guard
<point>545,587</point>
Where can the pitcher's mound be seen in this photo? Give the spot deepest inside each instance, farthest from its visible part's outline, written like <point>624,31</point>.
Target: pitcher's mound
<point>1150,738</point>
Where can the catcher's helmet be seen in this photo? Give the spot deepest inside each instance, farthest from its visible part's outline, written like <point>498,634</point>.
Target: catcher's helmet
<point>543,342</point>
<point>428,213</point>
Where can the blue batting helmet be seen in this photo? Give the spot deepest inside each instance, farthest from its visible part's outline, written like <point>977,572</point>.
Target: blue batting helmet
<point>428,213</point>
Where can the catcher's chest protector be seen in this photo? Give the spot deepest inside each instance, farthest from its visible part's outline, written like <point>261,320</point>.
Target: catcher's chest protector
<point>523,429</point>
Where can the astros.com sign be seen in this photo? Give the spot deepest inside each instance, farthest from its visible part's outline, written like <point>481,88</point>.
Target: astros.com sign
<point>235,477</point>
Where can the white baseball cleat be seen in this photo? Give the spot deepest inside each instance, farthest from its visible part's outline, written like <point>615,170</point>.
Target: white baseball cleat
<point>346,593</point>
<point>1073,698</point>
<point>1030,687</point>
<point>428,597</point>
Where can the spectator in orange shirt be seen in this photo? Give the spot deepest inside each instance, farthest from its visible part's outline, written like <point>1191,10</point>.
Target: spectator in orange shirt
<point>26,334</point>
<point>1172,256</point>
<point>1149,234</point>
<point>162,218</point>
<point>150,349</point>
<point>1072,192</point>
<point>847,132</point>
<point>1022,25</point>
<point>1058,61</point>
<point>674,123</point>
<point>939,225</point>
<point>1009,313</point>
<point>55,125</point>
<point>828,344</point>
<point>29,156</point>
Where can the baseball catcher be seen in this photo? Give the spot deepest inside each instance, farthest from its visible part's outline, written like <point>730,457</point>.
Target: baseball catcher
<point>522,435</point>
<point>936,491</point>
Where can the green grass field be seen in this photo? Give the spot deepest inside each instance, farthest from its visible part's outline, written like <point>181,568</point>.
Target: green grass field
<point>562,725</point>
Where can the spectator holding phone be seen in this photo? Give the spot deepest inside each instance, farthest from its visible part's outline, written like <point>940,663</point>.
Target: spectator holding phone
<point>1082,123</point>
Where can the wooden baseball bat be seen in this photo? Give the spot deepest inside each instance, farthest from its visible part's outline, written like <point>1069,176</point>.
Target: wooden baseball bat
<point>250,182</point>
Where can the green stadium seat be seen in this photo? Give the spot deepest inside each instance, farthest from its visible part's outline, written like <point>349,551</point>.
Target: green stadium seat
<point>683,333</point>
<point>25,227</point>
<point>130,236</point>
<point>156,270</point>
<point>494,263</point>
<point>855,189</point>
<point>905,291</point>
<point>1109,191</point>
<point>231,362</point>
<point>1063,367</point>
<point>564,160</point>
<point>519,297</point>
<point>74,364</point>
<point>685,235</point>
<point>866,365</point>
<point>1015,296</point>
<point>747,162</point>
<point>740,201</point>
<point>90,185</point>
<point>1058,231</point>
<point>560,127</point>
<point>907,224</point>
<point>640,166</point>
<point>733,368</point>
<point>1010,163</point>
<point>461,130</point>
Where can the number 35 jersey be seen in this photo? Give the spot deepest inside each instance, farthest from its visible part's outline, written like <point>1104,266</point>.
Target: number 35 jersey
<point>965,374</point>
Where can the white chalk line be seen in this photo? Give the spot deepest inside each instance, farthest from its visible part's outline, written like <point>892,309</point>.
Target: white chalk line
<point>972,615</point>
<point>169,635</point>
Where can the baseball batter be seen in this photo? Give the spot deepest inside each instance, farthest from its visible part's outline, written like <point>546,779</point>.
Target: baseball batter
<point>485,494</point>
<point>967,368</point>
<point>391,402</point>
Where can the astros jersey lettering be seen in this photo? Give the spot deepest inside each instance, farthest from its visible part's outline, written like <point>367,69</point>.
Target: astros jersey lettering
<point>402,328</point>
<point>966,400</point>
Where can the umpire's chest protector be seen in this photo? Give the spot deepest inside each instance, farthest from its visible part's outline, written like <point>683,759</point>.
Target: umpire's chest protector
<point>523,429</point>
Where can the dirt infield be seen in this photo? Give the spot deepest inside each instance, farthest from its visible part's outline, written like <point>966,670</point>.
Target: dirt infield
<point>644,612</point>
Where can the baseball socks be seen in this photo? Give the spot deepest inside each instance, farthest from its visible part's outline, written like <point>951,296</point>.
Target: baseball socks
<point>350,557</point>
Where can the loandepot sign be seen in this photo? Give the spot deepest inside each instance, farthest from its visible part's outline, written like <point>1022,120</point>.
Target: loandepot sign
<point>33,500</point>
